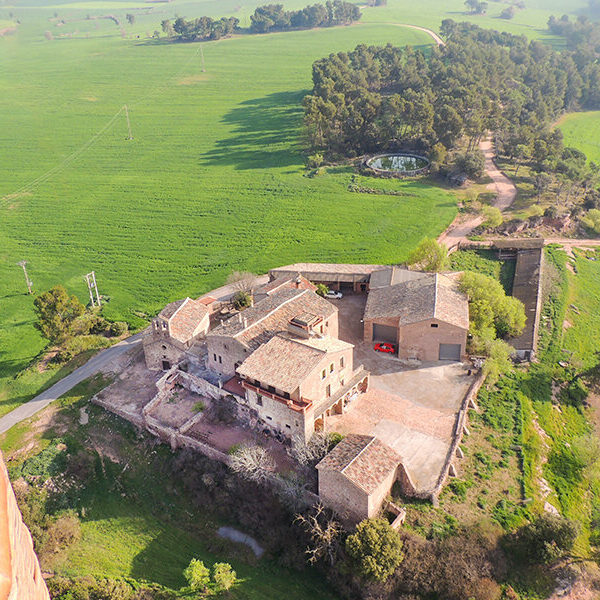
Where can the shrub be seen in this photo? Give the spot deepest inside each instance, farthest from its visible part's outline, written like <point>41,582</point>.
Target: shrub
<point>196,574</point>
<point>429,255</point>
<point>223,577</point>
<point>242,299</point>
<point>322,289</point>
<point>62,533</point>
<point>546,539</point>
<point>591,221</point>
<point>493,217</point>
<point>118,328</point>
<point>374,550</point>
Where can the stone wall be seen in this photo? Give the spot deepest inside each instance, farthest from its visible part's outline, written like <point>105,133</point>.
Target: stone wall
<point>340,494</point>
<point>20,574</point>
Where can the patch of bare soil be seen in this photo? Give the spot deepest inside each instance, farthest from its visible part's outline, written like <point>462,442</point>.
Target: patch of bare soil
<point>192,79</point>
<point>43,364</point>
<point>7,31</point>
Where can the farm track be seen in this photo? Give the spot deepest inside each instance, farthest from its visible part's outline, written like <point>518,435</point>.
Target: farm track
<point>436,38</point>
<point>504,188</point>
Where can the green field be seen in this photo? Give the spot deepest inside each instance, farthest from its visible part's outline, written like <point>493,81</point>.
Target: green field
<point>212,181</point>
<point>582,131</point>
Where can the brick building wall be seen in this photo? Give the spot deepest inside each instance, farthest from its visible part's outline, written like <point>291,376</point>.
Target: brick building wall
<point>314,387</point>
<point>420,340</point>
<point>20,574</point>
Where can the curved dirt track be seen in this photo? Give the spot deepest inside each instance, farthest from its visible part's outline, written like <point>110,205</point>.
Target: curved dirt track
<point>501,185</point>
<point>436,38</point>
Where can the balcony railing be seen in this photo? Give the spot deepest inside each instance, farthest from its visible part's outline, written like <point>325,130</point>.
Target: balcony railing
<point>297,405</point>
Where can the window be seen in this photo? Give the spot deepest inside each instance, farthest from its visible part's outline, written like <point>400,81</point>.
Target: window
<point>321,329</point>
<point>259,400</point>
<point>164,347</point>
<point>434,324</point>
<point>257,383</point>
<point>323,374</point>
<point>331,368</point>
<point>271,389</point>
<point>270,418</point>
<point>342,382</point>
<point>215,357</point>
<point>220,360</point>
<point>225,346</point>
<point>328,391</point>
<point>342,362</point>
<point>288,426</point>
<point>286,395</point>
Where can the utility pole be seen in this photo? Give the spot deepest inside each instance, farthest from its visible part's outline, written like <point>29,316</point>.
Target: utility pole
<point>90,279</point>
<point>202,56</point>
<point>23,263</point>
<point>130,137</point>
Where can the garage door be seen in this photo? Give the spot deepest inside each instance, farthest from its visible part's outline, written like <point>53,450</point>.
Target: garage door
<point>449,351</point>
<point>384,333</point>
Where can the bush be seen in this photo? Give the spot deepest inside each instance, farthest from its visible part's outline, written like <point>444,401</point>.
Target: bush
<point>62,533</point>
<point>470,163</point>
<point>374,550</point>
<point>546,539</point>
<point>223,577</point>
<point>322,289</point>
<point>429,255</point>
<point>242,299</point>
<point>197,575</point>
<point>591,221</point>
<point>118,328</point>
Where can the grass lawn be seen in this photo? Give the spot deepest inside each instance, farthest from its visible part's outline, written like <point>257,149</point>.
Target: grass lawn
<point>582,131</point>
<point>136,521</point>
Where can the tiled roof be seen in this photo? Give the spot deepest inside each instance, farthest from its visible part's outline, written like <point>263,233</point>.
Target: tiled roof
<point>329,268</point>
<point>169,310</point>
<point>259,323</point>
<point>184,317</point>
<point>286,361</point>
<point>432,296</point>
<point>363,459</point>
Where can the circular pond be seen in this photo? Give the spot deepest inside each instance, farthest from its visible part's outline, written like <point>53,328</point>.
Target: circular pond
<point>400,163</point>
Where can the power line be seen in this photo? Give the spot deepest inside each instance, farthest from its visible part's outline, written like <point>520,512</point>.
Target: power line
<point>90,279</point>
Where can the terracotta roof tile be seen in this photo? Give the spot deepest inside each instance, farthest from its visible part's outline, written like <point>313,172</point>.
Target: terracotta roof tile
<point>432,296</point>
<point>184,317</point>
<point>363,459</point>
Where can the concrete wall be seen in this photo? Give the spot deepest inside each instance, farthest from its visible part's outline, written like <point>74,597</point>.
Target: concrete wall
<point>340,494</point>
<point>20,574</point>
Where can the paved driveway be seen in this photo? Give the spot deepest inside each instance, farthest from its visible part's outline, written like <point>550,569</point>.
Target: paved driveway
<point>411,408</point>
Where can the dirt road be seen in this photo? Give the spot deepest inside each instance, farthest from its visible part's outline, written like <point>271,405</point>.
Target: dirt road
<point>501,185</point>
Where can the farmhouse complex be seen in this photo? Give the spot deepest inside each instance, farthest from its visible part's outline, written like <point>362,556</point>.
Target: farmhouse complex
<point>295,363</point>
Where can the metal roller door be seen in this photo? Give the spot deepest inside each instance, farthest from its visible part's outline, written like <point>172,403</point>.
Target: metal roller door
<point>384,333</point>
<point>449,351</point>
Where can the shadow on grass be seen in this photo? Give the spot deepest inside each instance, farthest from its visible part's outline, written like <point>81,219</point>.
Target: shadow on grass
<point>266,133</point>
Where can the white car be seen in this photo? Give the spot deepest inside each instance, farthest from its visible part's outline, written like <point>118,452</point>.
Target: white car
<point>332,294</point>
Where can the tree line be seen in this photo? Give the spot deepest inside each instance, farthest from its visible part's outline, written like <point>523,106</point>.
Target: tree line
<point>387,98</point>
<point>273,17</point>
<point>269,17</point>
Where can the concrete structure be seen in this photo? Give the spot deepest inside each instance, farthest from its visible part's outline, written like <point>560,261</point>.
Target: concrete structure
<point>357,475</point>
<point>425,315</point>
<point>174,331</point>
<point>20,574</point>
<point>232,342</point>
<point>344,277</point>
<point>292,382</point>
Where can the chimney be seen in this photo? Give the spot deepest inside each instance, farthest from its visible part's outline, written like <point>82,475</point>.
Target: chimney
<point>298,282</point>
<point>239,317</point>
<point>245,322</point>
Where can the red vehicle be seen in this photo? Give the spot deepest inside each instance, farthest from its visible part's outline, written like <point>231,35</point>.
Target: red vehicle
<point>385,347</point>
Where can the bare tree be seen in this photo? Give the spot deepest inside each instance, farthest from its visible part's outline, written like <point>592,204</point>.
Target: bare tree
<point>311,452</point>
<point>242,281</point>
<point>324,533</point>
<point>252,462</point>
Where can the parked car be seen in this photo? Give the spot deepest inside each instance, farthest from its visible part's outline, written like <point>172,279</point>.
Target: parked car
<point>385,347</point>
<point>333,294</point>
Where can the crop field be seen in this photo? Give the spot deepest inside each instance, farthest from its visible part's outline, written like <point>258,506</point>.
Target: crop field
<point>213,179</point>
<point>582,131</point>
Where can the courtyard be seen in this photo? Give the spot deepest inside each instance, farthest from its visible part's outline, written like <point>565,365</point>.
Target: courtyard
<point>410,407</point>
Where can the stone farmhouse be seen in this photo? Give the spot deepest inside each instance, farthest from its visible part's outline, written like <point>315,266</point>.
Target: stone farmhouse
<point>282,361</point>
<point>174,331</point>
